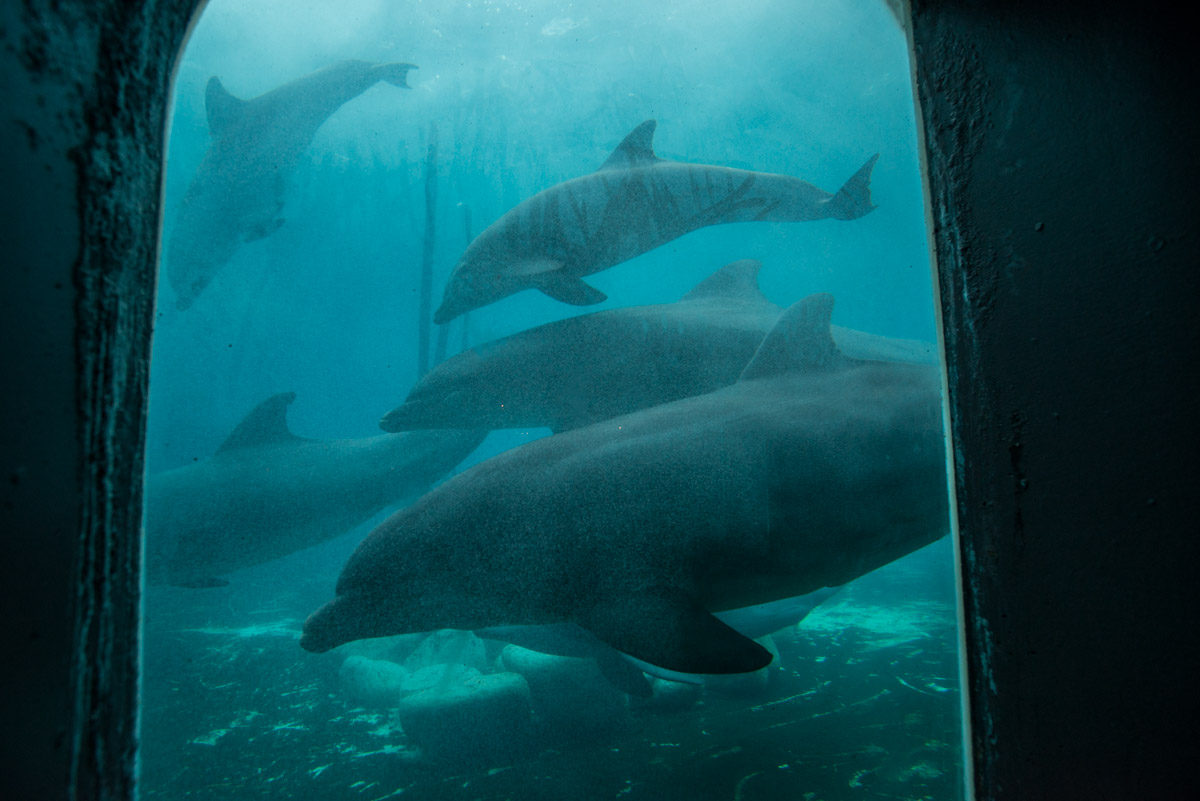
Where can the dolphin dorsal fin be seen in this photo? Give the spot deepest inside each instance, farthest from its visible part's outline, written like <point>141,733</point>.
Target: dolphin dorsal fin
<point>738,280</point>
<point>635,150</point>
<point>800,340</point>
<point>266,425</point>
<point>223,108</point>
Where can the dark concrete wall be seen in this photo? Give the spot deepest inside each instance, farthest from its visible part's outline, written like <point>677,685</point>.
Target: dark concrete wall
<point>1062,151</point>
<point>81,137</point>
<point>1062,175</point>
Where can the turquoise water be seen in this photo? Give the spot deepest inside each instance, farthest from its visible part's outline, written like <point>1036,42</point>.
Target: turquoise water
<point>862,700</point>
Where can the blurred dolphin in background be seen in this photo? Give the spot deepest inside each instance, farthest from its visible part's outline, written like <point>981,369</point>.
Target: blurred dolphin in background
<point>267,493</point>
<point>237,192</point>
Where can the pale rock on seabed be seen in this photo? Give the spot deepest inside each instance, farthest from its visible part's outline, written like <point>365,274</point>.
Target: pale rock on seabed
<point>861,703</point>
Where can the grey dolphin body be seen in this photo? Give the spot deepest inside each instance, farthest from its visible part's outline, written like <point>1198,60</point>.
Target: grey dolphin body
<point>584,369</point>
<point>237,192</point>
<point>812,470</point>
<point>632,204</point>
<point>267,493</point>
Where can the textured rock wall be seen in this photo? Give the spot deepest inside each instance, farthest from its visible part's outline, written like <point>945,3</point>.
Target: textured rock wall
<point>85,88</point>
<point>1060,140</point>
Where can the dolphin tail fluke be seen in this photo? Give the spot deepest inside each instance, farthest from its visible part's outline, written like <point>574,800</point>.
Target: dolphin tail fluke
<point>853,200</point>
<point>395,74</point>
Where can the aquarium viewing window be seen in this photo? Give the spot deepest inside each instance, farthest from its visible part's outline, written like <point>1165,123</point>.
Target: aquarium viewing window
<point>547,402</point>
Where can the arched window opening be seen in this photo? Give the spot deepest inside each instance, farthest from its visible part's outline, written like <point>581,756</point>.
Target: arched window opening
<point>641,300</point>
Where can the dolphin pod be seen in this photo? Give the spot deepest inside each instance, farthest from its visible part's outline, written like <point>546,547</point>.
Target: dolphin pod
<point>811,470</point>
<point>632,204</point>
<point>588,368</point>
<point>267,493</point>
<point>237,192</point>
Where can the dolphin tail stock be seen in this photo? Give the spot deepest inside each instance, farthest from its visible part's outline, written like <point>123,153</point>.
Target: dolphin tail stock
<point>396,74</point>
<point>853,200</point>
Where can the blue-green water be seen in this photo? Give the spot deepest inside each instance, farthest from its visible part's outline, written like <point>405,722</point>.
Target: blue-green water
<point>862,701</point>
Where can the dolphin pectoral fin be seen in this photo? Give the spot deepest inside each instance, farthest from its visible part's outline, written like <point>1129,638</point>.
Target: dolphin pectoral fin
<point>569,289</point>
<point>535,267</point>
<point>667,629</point>
<point>263,231</point>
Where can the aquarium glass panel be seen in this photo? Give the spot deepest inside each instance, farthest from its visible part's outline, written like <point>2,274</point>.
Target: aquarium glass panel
<point>546,403</point>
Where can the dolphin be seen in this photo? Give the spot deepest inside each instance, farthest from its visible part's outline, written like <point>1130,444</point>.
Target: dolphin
<point>588,368</point>
<point>237,192</point>
<point>267,493</point>
<point>632,204</point>
<point>810,471</point>
<point>625,672</point>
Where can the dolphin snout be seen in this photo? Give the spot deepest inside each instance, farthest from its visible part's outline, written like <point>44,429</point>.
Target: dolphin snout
<point>414,415</point>
<point>458,298</point>
<point>445,313</point>
<point>408,416</point>
<point>322,631</point>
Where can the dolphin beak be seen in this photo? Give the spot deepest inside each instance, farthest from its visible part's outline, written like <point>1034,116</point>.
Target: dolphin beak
<point>322,630</point>
<point>348,617</point>
<point>444,314</point>
<point>397,419</point>
<point>418,415</point>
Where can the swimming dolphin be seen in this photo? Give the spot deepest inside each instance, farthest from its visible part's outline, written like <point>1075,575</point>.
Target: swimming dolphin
<point>584,369</point>
<point>625,672</point>
<point>632,204</point>
<point>237,192</point>
<point>267,493</point>
<point>813,469</point>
